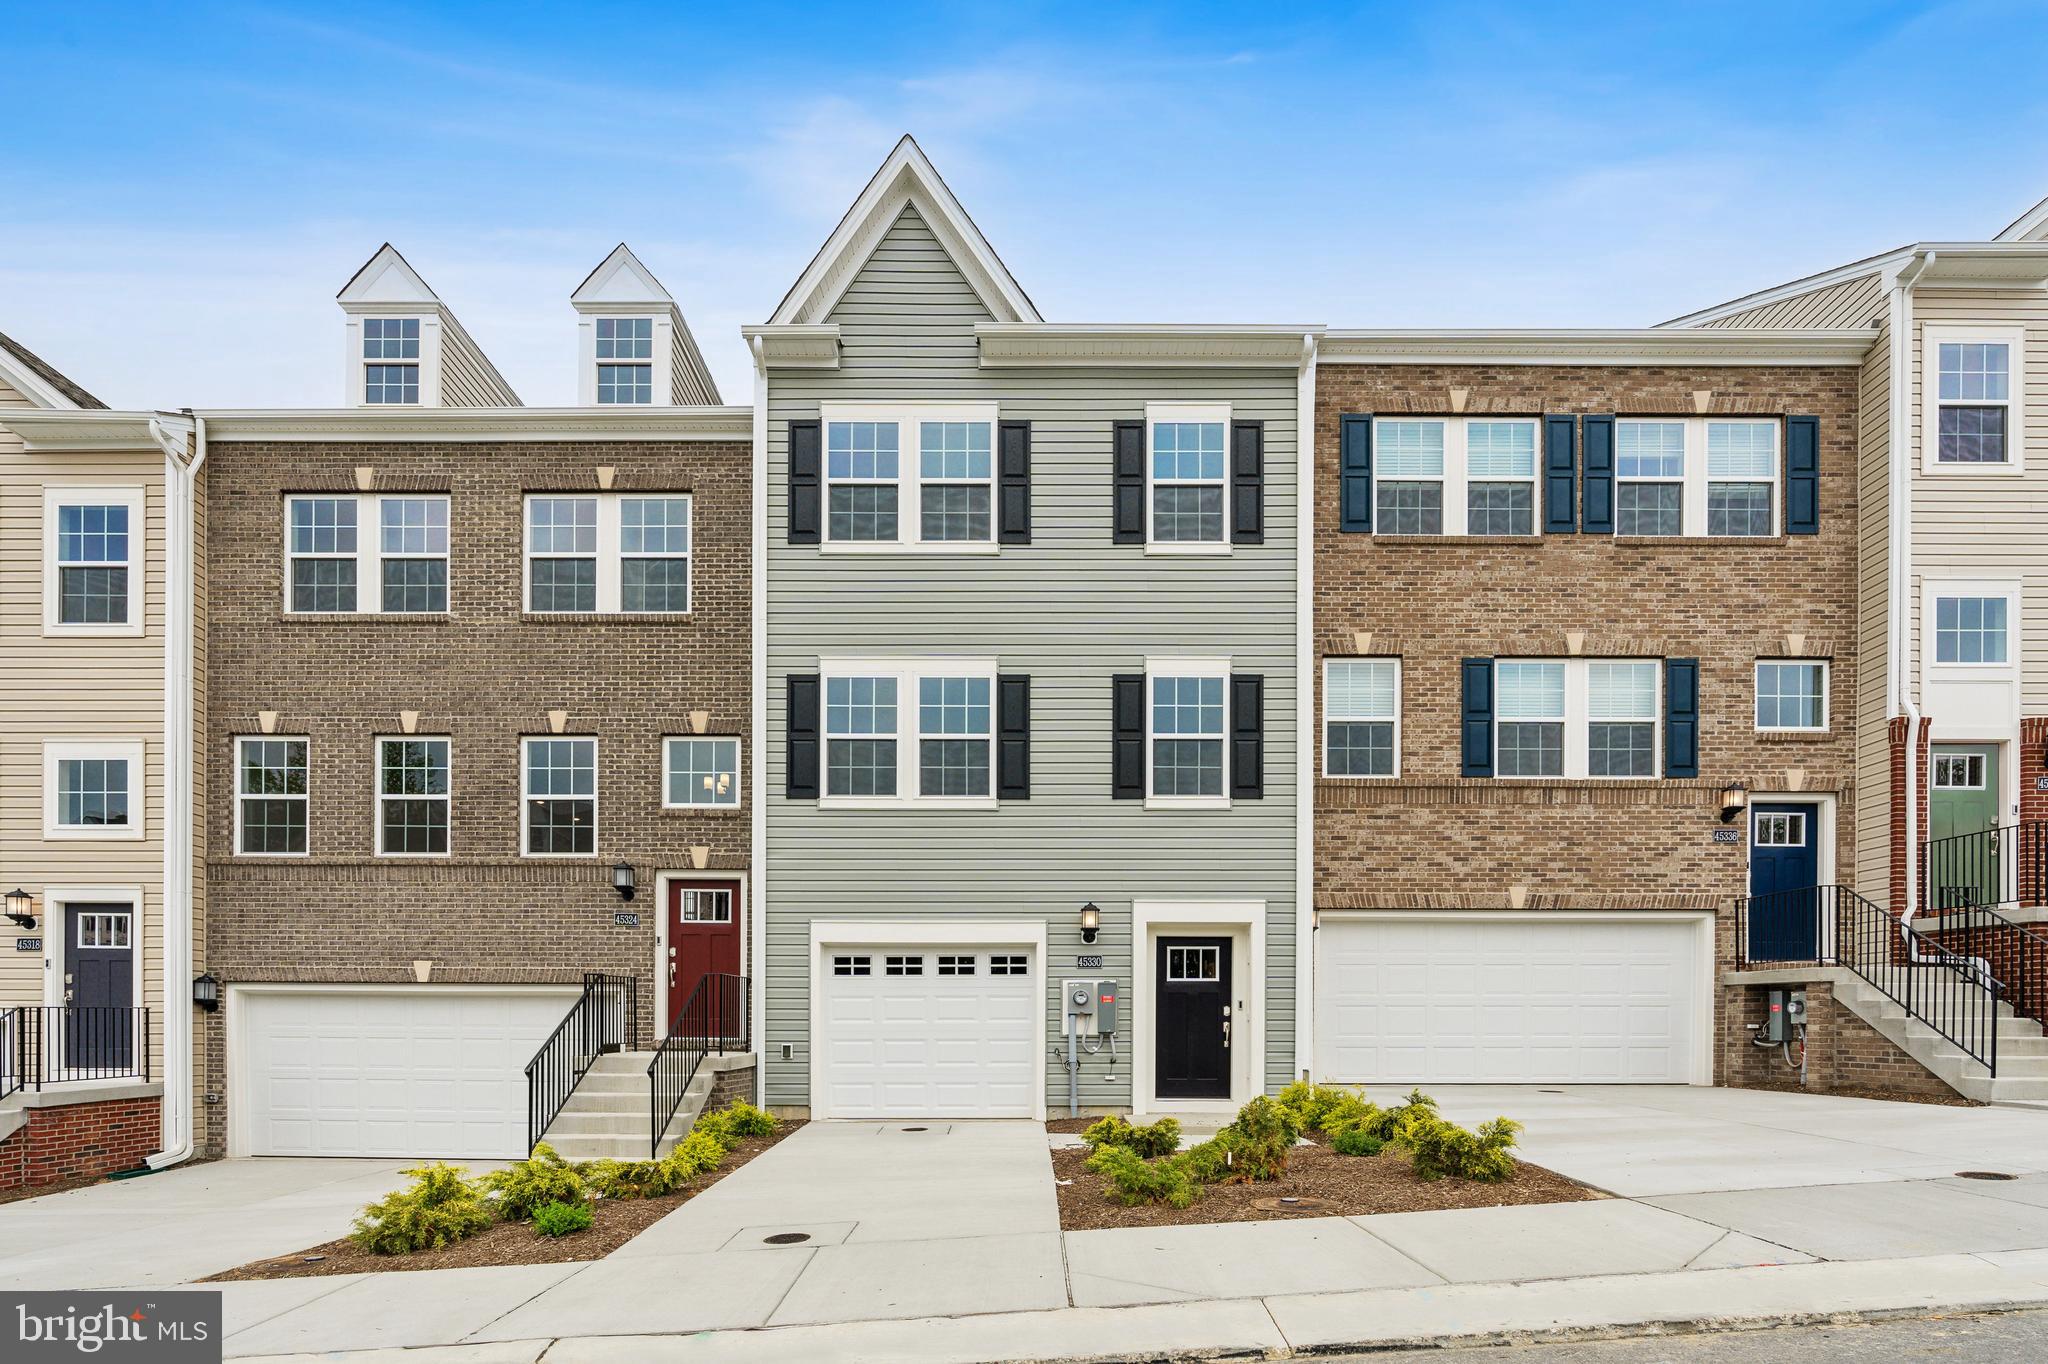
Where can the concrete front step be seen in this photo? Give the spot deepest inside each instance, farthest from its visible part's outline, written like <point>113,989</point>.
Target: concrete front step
<point>2022,1064</point>
<point>608,1114</point>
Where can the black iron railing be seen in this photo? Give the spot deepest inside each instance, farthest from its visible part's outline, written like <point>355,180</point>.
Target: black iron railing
<point>601,1020</point>
<point>714,1019</point>
<point>1933,975</point>
<point>2014,954</point>
<point>47,1044</point>
<point>2001,866</point>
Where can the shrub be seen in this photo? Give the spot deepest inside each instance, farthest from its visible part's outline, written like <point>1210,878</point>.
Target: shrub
<point>1131,1179</point>
<point>628,1178</point>
<point>1443,1148</point>
<point>729,1125</point>
<point>1230,1157</point>
<point>1354,1142</point>
<point>1349,1111</point>
<point>1161,1138</point>
<point>1392,1124</point>
<point>524,1185</point>
<point>560,1219</point>
<point>1308,1103</point>
<point>694,1154</point>
<point>1262,1119</point>
<point>439,1209</point>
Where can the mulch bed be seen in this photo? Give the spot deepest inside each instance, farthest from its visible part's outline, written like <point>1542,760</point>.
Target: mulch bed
<point>615,1222</point>
<point>1343,1186</point>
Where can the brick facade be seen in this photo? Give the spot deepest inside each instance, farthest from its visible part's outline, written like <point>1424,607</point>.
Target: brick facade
<point>484,675</point>
<point>80,1141</point>
<point>1842,1051</point>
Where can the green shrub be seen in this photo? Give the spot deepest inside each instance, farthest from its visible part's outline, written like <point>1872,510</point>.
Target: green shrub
<point>1349,1111</point>
<point>1161,1138</point>
<point>1262,1119</point>
<point>439,1209</point>
<point>729,1125</point>
<point>1324,1108</point>
<point>560,1219</point>
<point>694,1154</point>
<point>1443,1148</point>
<point>1354,1142</point>
<point>1130,1179</point>
<point>1391,1124</point>
<point>628,1178</point>
<point>524,1185</point>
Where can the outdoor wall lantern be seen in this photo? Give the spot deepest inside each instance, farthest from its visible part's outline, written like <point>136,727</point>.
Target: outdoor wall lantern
<point>1734,796</point>
<point>21,907</point>
<point>622,880</point>
<point>206,992</point>
<point>1091,921</point>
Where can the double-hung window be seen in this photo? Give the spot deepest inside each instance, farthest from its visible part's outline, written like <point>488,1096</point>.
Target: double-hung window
<point>1973,422</point>
<point>558,797</point>
<point>1529,718</point>
<point>608,553</point>
<point>1742,478</point>
<point>1408,476</point>
<point>911,474</point>
<point>1577,717</point>
<point>701,773</point>
<point>92,565</point>
<point>346,554</point>
<point>1792,694</point>
<point>1454,475</point>
<point>625,359</point>
<point>1621,718</point>
<point>1187,467</point>
<point>919,732</point>
<point>1696,476</point>
<point>271,796</point>
<point>412,797</point>
<point>391,360</point>
<point>92,790</point>
<point>1186,739</point>
<point>1649,478</point>
<point>1361,717</point>
<point>1500,474</point>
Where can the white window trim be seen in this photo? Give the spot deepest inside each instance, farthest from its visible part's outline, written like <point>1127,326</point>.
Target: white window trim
<point>1329,719</point>
<point>738,777</point>
<point>377,796</point>
<point>1693,511</point>
<point>664,351</point>
<point>908,734</point>
<point>235,779</point>
<point>909,475</point>
<point>1187,412</point>
<point>356,372</point>
<point>526,796</point>
<point>56,751</point>
<point>1932,590</point>
<point>1187,667</point>
<point>1577,720</point>
<point>609,553</point>
<point>1827,714</point>
<point>1933,337</point>
<point>126,495</point>
<point>1457,477</point>
<point>369,555</point>
<point>659,352</point>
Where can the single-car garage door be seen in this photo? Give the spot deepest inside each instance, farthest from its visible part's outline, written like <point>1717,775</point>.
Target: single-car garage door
<point>1510,999</point>
<point>429,1072</point>
<point>927,1032</point>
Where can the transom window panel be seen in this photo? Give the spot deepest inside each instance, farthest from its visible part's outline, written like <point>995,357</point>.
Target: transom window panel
<point>707,906</point>
<point>1792,695</point>
<point>329,556</point>
<point>103,929</point>
<point>1187,467</point>
<point>910,732</point>
<point>1974,403</point>
<point>385,340</point>
<point>957,710</point>
<point>1529,712</point>
<point>1971,630</point>
<point>1621,719</point>
<point>92,793</point>
<point>271,796</point>
<point>559,797</point>
<point>1959,771</point>
<point>1361,716</point>
<point>1194,963</point>
<point>702,772</point>
<point>1187,735</point>
<point>412,797</point>
<point>1697,476</point>
<point>1780,830</point>
<point>611,553</point>
<point>94,576</point>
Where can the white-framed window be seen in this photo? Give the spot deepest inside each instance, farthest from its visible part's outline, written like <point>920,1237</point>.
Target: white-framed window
<point>1792,694</point>
<point>1361,717</point>
<point>272,794</point>
<point>625,359</point>
<point>558,796</point>
<point>1697,476</point>
<point>413,796</point>
<point>700,771</point>
<point>1973,379</point>
<point>92,789</point>
<point>347,554</point>
<point>1187,749</point>
<point>918,475</point>
<point>1779,829</point>
<point>909,732</point>
<point>104,928</point>
<point>1970,630</point>
<point>1959,771</point>
<point>1578,717</point>
<point>608,553</point>
<point>1187,468</point>
<point>391,360</point>
<point>1455,475</point>
<point>92,560</point>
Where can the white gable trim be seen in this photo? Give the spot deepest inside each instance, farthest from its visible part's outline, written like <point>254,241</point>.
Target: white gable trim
<point>387,279</point>
<point>2031,226</point>
<point>621,280</point>
<point>905,179</point>
<point>30,384</point>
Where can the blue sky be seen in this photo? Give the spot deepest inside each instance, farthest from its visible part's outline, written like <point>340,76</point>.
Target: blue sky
<point>183,188</point>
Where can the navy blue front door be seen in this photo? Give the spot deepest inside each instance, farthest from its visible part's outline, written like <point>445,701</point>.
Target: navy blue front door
<point>1784,871</point>
<point>99,988</point>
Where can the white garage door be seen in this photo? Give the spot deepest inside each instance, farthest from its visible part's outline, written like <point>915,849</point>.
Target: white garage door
<point>1509,1000</point>
<point>927,1032</point>
<point>391,1073</point>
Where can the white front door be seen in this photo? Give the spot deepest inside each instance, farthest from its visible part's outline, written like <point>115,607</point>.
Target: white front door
<point>916,1031</point>
<point>1511,999</point>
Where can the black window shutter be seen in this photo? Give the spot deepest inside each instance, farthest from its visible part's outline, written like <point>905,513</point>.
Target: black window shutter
<point>1560,474</point>
<point>1013,737</point>
<point>1802,475</point>
<point>1596,493</point>
<point>801,759</point>
<point>1013,483</point>
<point>1476,716</point>
<point>1681,717</point>
<point>1247,736</point>
<point>1247,483</point>
<point>1127,724</point>
<point>1354,476</point>
<point>806,478</point>
<point>1129,512</point>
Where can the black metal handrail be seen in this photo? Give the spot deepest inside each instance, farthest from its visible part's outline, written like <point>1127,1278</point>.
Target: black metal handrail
<point>2015,955</point>
<point>1942,984</point>
<point>601,1020</point>
<point>2007,865</point>
<point>714,1019</point>
<point>47,1044</point>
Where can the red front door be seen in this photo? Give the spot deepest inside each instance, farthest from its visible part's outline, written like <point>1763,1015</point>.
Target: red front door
<point>703,937</point>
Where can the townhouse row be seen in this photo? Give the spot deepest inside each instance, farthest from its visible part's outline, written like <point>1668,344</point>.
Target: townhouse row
<point>1390,707</point>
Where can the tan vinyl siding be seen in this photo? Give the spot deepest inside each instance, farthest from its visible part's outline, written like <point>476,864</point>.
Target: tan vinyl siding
<point>1872,871</point>
<point>692,379</point>
<point>468,378</point>
<point>1849,303</point>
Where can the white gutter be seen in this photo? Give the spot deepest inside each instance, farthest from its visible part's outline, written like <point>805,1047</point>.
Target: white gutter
<point>1305,680</point>
<point>1900,456</point>
<point>172,433</point>
<point>757,652</point>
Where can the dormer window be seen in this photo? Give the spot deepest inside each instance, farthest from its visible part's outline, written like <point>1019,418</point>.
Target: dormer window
<point>625,359</point>
<point>391,360</point>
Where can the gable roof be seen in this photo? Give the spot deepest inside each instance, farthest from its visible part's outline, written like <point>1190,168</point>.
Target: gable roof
<point>2031,226</point>
<point>35,379</point>
<point>620,278</point>
<point>386,277</point>
<point>905,177</point>
<point>621,281</point>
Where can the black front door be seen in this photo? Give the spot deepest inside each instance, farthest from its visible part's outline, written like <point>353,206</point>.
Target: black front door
<point>1784,868</point>
<point>1194,1017</point>
<point>99,987</point>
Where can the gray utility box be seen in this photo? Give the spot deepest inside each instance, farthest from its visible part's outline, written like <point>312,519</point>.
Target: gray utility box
<point>1786,1014</point>
<point>1092,1004</point>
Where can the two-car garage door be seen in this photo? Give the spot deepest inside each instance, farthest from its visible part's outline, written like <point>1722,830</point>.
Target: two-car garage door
<point>921,1031</point>
<point>1511,999</point>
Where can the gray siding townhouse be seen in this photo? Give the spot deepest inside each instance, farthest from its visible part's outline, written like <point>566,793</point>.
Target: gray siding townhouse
<point>1030,607</point>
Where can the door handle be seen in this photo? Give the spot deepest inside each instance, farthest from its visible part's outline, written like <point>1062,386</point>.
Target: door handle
<point>1226,1031</point>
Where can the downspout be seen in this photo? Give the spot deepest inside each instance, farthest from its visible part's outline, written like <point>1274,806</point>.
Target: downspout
<point>757,648</point>
<point>172,433</point>
<point>1900,455</point>
<point>1305,681</point>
